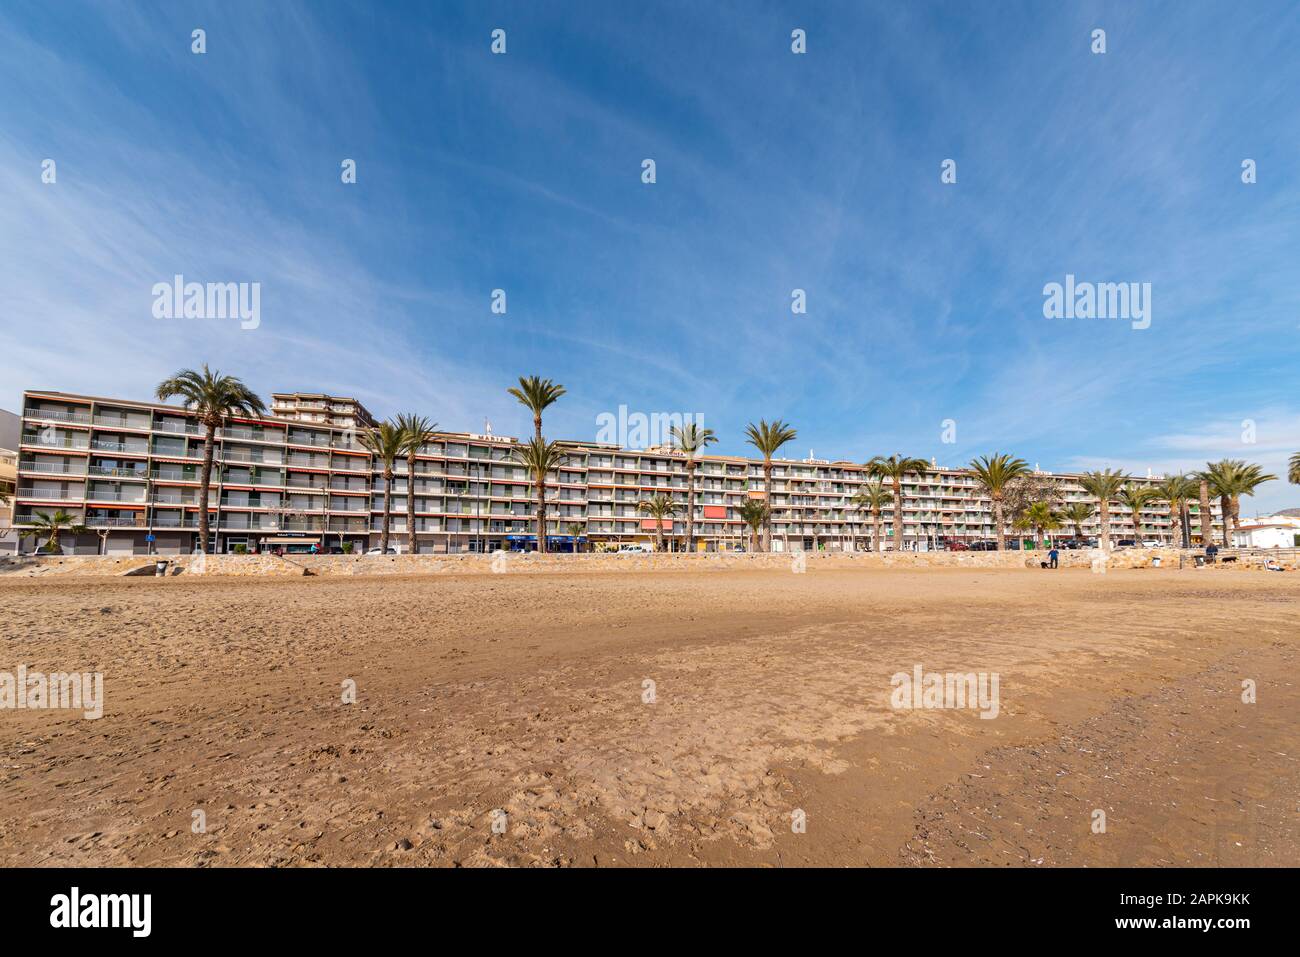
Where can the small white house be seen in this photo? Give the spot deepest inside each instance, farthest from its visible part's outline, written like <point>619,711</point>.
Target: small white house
<point>1272,531</point>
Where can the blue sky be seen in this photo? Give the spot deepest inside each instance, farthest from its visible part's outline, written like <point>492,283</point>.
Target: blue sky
<point>775,171</point>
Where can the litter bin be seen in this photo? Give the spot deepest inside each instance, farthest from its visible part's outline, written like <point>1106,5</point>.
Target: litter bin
<point>1200,561</point>
<point>1155,562</point>
<point>160,567</point>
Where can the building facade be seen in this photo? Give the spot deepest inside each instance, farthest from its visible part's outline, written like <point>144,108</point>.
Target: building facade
<point>129,472</point>
<point>8,491</point>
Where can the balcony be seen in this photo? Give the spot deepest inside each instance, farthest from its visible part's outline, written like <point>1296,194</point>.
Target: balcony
<point>52,495</point>
<point>106,445</point>
<point>49,468</point>
<point>176,428</point>
<point>230,455</point>
<point>252,435</point>
<point>123,422</point>
<point>170,498</point>
<point>56,415</point>
<point>106,472</point>
<point>116,521</point>
<point>131,498</point>
<point>55,441</point>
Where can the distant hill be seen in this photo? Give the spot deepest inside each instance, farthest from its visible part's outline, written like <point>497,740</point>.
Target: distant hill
<point>1292,512</point>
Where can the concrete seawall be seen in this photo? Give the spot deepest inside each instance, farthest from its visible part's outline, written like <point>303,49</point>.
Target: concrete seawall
<point>531,563</point>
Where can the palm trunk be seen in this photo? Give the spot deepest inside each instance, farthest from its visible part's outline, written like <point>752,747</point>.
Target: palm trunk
<point>1225,508</point>
<point>690,506</point>
<point>1103,513</point>
<point>997,519</point>
<point>879,526</point>
<point>898,513</point>
<point>541,513</point>
<point>388,509</point>
<point>1176,524</point>
<point>1207,526</point>
<point>410,503</point>
<point>209,437</point>
<point>767,501</point>
<point>541,493</point>
<point>659,535</point>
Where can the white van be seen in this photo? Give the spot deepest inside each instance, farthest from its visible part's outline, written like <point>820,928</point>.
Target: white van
<point>633,550</point>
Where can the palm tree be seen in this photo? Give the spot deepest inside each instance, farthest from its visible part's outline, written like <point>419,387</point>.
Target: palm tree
<point>1135,498</point>
<point>994,473</point>
<point>387,443</point>
<point>1177,490</point>
<point>873,496</point>
<point>1104,486</point>
<point>661,508</point>
<point>213,398</point>
<point>753,512</point>
<point>1203,507</point>
<point>1040,517</point>
<point>894,468</point>
<point>575,532</point>
<point>1293,470</point>
<point>43,523</point>
<point>538,457</point>
<point>689,439</point>
<point>1230,479</point>
<point>536,395</point>
<point>416,431</point>
<point>1251,478</point>
<point>1221,476</point>
<point>1076,513</point>
<point>768,437</point>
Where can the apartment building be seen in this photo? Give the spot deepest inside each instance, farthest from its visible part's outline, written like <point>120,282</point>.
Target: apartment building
<point>129,471</point>
<point>335,411</point>
<point>8,489</point>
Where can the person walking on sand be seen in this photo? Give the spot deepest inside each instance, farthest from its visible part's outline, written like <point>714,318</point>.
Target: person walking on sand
<point>1053,558</point>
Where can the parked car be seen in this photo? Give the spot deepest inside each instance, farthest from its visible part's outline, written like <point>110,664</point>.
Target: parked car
<point>984,547</point>
<point>379,551</point>
<point>1151,543</point>
<point>633,550</point>
<point>956,546</point>
<point>1126,543</point>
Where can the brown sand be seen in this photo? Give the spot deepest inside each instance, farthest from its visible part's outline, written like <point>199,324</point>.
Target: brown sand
<point>524,694</point>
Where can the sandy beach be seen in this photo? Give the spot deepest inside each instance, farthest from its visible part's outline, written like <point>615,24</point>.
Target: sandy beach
<point>738,717</point>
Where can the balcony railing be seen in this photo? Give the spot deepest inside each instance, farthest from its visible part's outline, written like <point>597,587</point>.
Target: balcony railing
<point>178,429</point>
<point>55,415</point>
<point>119,422</point>
<point>116,521</point>
<point>107,472</point>
<point>164,498</point>
<point>252,435</point>
<point>104,445</point>
<point>54,441</point>
<point>55,495</point>
<point>115,497</point>
<point>49,468</point>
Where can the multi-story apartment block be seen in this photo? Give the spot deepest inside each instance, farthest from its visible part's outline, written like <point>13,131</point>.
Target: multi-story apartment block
<point>129,471</point>
<point>335,411</point>
<point>8,489</point>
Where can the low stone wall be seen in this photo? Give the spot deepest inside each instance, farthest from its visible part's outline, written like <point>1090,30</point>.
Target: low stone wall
<point>532,563</point>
